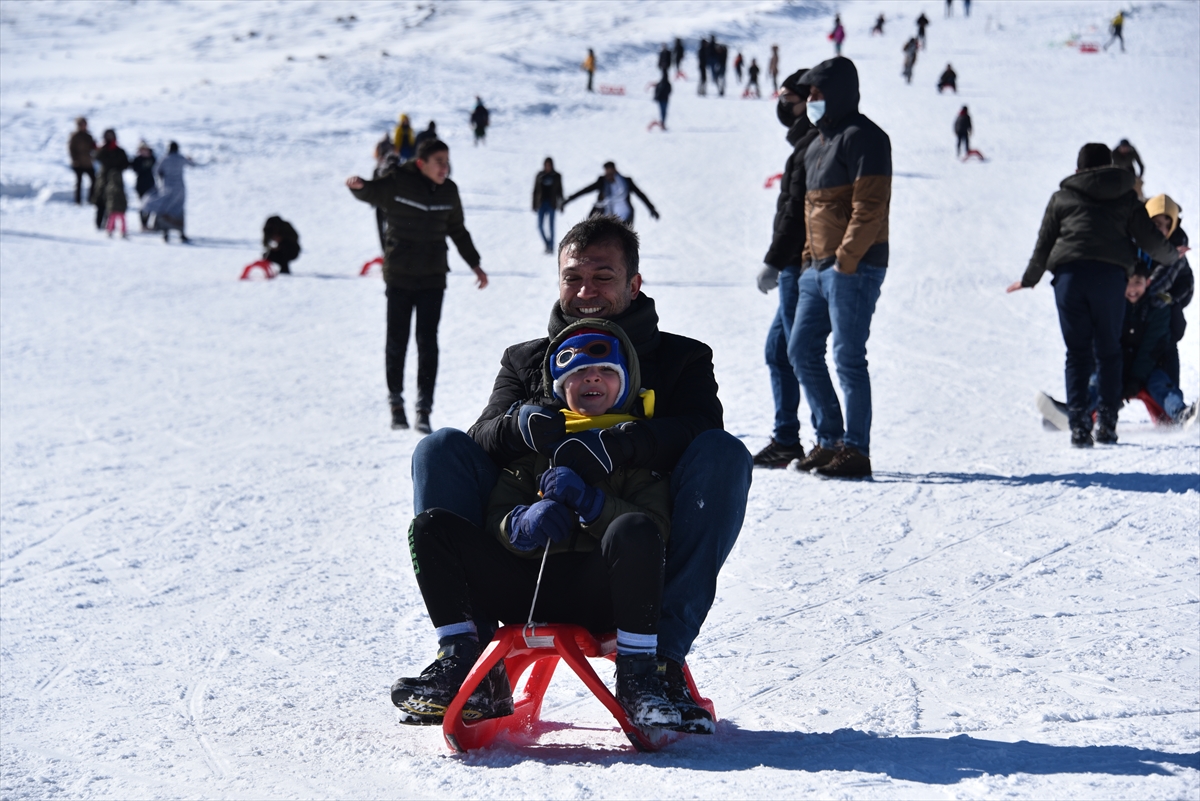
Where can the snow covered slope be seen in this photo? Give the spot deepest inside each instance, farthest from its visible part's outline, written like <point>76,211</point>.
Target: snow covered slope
<point>204,588</point>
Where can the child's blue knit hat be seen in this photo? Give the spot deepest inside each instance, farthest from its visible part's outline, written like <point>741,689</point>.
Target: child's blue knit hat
<point>584,349</point>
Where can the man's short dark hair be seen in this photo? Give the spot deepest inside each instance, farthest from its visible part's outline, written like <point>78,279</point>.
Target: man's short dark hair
<point>609,164</point>
<point>1094,154</point>
<point>429,147</point>
<point>604,230</point>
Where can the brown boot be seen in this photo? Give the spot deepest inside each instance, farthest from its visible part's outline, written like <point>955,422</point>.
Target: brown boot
<point>817,457</point>
<point>847,463</point>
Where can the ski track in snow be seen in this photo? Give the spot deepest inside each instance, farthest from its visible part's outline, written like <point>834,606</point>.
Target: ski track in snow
<point>204,585</point>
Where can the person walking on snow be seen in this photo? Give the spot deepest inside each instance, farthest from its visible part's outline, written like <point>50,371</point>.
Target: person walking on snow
<point>423,208</point>
<point>709,468</point>
<point>773,69</point>
<point>143,168</point>
<point>109,187</point>
<point>662,95</point>
<point>738,64</point>
<point>962,130</point>
<point>1087,241</point>
<point>781,268</point>
<point>168,203</point>
<point>81,146</point>
<point>613,191</point>
<point>1126,156</point>
<point>879,23</point>
<point>838,35</point>
<point>547,199</point>
<point>702,63</point>
<point>589,66</point>
<point>949,80</point>
<point>752,84</point>
<point>664,60</point>
<point>922,24</point>
<point>849,189</point>
<point>479,120</point>
<point>679,54</point>
<point>910,57</point>
<point>1115,27</point>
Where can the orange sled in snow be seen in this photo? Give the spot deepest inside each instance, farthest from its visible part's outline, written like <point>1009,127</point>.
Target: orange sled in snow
<point>533,652</point>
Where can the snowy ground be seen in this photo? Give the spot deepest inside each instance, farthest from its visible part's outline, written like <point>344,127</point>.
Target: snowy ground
<point>204,590</point>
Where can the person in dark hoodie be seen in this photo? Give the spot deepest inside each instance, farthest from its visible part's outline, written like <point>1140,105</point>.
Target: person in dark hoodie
<point>781,268</point>
<point>845,259</point>
<point>962,132</point>
<point>281,243</point>
<point>108,191</point>
<point>423,208</point>
<point>143,168</point>
<point>709,468</point>
<point>547,200</point>
<point>1087,241</point>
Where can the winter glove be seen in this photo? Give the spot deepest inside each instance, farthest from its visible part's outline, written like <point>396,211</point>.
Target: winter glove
<point>654,213</point>
<point>564,485</point>
<point>536,526</point>
<point>539,427</point>
<point>768,278</point>
<point>594,453</point>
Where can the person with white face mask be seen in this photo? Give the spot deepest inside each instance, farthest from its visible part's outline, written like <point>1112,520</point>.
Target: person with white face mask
<point>849,189</point>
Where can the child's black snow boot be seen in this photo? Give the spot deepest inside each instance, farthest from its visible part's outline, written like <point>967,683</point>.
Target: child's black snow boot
<point>423,701</point>
<point>641,691</point>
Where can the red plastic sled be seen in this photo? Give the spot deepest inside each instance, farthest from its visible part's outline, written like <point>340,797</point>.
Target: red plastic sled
<point>1088,47</point>
<point>605,89</point>
<point>538,649</point>
<point>771,181</point>
<point>654,124</point>
<point>1157,415</point>
<point>261,263</point>
<point>366,268</point>
<point>973,154</point>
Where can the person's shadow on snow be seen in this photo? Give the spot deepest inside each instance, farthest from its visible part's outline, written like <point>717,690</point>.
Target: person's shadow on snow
<point>1127,482</point>
<point>928,760</point>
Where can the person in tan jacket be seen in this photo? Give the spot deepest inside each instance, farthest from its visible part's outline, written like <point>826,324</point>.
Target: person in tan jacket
<point>849,190</point>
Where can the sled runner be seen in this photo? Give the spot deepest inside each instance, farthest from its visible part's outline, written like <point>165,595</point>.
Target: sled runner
<point>261,263</point>
<point>366,268</point>
<point>537,649</point>
<point>654,124</point>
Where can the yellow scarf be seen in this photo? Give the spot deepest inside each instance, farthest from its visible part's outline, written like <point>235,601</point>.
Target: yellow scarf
<point>580,422</point>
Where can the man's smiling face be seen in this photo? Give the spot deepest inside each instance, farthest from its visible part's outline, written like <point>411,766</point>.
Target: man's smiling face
<point>593,283</point>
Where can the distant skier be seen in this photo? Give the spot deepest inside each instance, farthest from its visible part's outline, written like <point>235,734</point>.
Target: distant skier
<point>879,23</point>
<point>773,69</point>
<point>427,134</point>
<point>404,141</point>
<point>281,243</point>
<point>1126,156</point>
<point>962,130</point>
<point>680,52</point>
<point>143,168</point>
<point>423,208</point>
<point>1115,27</point>
<point>1087,240</point>
<point>480,118</point>
<point>81,146</point>
<point>922,24</point>
<point>838,35</point>
<point>613,191</point>
<point>910,57</point>
<point>662,95</point>
<point>110,184</point>
<point>752,84</point>
<point>664,60</point>
<point>589,66</point>
<point>948,80</point>
<point>781,268</point>
<point>168,203</point>
<point>547,199</point>
<point>738,64</point>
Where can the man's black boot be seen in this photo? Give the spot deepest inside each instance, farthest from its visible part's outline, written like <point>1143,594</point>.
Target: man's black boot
<point>693,718</point>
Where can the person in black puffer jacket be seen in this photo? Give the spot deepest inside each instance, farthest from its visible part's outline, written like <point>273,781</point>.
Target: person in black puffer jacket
<point>1087,241</point>
<point>423,208</point>
<point>782,268</point>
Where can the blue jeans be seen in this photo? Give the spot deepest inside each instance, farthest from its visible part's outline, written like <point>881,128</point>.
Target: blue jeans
<point>834,303</point>
<point>1165,393</point>
<point>785,387</point>
<point>546,212</point>
<point>709,487</point>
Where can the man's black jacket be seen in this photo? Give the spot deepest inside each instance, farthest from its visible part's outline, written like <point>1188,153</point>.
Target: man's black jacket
<point>678,369</point>
<point>787,244</point>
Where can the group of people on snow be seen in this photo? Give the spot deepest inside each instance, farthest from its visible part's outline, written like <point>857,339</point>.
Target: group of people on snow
<point>159,182</point>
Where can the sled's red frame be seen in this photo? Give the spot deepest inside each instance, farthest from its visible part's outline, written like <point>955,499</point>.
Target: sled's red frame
<point>538,649</point>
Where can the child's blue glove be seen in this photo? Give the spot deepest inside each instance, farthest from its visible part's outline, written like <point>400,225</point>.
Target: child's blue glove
<point>564,485</point>
<point>540,426</point>
<point>594,453</point>
<point>535,526</point>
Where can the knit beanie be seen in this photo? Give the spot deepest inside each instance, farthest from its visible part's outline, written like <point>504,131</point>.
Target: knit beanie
<point>584,349</point>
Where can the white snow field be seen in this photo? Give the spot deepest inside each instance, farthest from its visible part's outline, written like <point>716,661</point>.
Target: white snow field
<point>205,590</point>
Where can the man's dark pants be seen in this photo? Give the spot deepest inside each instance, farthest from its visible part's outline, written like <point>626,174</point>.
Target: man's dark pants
<point>90,172</point>
<point>400,306</point>
<point>1091,305</point>
<point>709,486</point>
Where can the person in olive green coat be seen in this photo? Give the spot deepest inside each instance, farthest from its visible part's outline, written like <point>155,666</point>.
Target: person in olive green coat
<point>423,207</point>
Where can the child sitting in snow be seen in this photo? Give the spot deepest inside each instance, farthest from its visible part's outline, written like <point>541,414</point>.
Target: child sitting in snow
<point>606,538</point>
